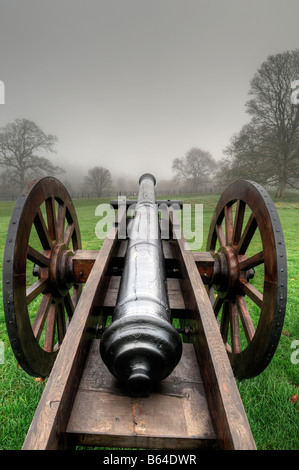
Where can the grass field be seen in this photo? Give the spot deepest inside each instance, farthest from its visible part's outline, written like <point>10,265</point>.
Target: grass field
<point>269,399</point>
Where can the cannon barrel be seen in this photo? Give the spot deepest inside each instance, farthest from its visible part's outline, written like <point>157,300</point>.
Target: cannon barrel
<point>141,347</point>
<point>115,203</point>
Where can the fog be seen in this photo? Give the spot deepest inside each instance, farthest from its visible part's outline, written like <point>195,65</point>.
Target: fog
<point>131,85</point>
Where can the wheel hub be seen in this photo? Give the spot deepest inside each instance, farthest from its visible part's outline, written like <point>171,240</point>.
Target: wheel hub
<point>59,273</point>
<point>227,275</point>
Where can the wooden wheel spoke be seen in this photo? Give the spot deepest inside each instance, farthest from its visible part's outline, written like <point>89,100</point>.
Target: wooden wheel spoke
<point>228,214</point>
<point>224,325</point>
<point>50,328</point>
<point>217,305</point>
<point>77,289</point>
<point>245,318</point>
<point>69,306</point>
<point>41,315</point>
<point>252,262</point>
<point>42,231</point>
<point>252,293</point>
<point>37,257</point>
<point>51,217</point>
<point>220,234</point>
<point>248,233</point>
<point>235,328</point>
<point>68,233</point>
<point>37,288</point>
<point>238,223</point>
<point>61,221</point>
<point>61,326</point>
<point>211,295</point>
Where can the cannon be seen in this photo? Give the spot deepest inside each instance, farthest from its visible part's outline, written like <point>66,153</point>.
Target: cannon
<point>142,339</point>
<point>141,346</point>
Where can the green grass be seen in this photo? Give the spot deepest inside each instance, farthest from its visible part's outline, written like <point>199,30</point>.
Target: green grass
<point>273,418</point>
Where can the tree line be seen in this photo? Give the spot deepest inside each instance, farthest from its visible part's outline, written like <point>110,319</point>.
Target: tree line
<point>266,149</point>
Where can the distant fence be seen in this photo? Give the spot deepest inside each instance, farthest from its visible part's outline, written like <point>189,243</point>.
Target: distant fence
<point>13,196</point>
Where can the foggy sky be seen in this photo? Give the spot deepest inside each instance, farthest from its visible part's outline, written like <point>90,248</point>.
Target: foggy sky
<point>132,84</point>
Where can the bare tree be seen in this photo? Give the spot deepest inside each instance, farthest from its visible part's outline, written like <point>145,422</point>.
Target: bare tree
<point>267,149</point>
<point>195,168</point>
<point>98,180</point>
<point>252,154</point>
<point>20,145</point>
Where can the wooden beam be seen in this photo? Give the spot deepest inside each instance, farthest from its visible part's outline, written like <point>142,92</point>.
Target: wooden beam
<point>227,411</point>
<point>83,261</point>
<point>205,264</point>
<point>47,430</point>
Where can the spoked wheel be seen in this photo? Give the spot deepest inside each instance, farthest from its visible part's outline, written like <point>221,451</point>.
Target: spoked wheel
<point>38,293</point>
<point>249,287</point>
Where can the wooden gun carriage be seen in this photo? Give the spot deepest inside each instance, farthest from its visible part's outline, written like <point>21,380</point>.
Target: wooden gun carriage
<point>186,396</point>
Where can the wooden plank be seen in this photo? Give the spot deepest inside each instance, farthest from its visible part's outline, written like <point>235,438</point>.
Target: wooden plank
<point>104,415</point>
<point>228,414</point>
<point>47,430</point>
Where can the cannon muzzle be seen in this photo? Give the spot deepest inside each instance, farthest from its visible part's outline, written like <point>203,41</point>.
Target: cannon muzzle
<point>141,347</point>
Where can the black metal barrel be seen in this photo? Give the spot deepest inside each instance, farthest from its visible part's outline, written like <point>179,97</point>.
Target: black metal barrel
<point>141,347</point>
